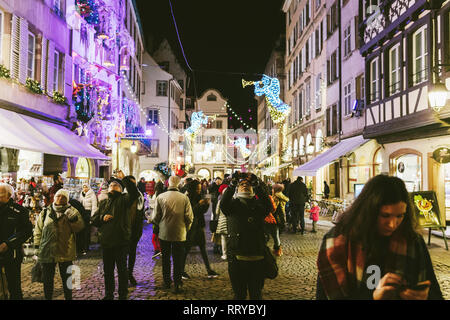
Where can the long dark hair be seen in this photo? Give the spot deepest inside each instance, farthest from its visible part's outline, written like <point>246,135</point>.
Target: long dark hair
<point>359,222</point>
<point>192,190</point>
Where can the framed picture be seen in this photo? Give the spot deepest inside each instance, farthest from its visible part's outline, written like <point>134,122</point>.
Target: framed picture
<point>426,208</point>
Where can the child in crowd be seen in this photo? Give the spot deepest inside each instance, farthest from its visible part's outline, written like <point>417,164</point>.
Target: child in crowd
<point>314,215</point>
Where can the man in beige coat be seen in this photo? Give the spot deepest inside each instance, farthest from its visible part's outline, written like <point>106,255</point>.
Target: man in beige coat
<point>54,234</point>
<point>173,214</point>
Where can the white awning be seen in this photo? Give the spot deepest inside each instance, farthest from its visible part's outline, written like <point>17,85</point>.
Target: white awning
<point>22,132</point>
<point>345,146</point>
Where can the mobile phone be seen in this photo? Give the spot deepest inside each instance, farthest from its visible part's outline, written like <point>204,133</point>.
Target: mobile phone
<point>419,287</point>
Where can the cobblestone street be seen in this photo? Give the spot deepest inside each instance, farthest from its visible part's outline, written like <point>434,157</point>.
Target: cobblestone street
<point>296,280</point>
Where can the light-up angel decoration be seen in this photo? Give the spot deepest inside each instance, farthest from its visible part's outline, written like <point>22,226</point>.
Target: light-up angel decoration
<point>241,143</point>
<point>197,120</point>
<point>270,88</point>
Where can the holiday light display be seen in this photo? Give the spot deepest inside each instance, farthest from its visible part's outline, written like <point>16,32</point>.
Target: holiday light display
<point>197,120</point>
<point>241,143</point>
<point>88,9</point>
<point>226,105</point>
<point>270,88</point>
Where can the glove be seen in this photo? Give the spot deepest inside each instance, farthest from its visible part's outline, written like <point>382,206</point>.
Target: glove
<point>73,217</point>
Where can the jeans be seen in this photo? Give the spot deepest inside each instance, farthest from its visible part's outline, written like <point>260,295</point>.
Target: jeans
<point>202,248</point>
<point>314,225</point>
<point>274,232</point>
<point>174,249</point>
<point>298,213</point>
<point>13,278</point>
<point>132,255</point>
<point>48,276</point>
<point>115,256</point>
<point>246,275</point>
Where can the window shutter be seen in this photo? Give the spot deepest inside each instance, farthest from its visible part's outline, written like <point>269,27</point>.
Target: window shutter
<point>44,63</point>
<point>356,33</point>
<point>23,57</point>
<point>50,59</point>
<point>15,47</point>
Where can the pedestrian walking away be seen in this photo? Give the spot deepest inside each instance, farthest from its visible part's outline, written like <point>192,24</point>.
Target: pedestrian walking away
<point>326,190</point>
<point>196,235</point>
<point>137,226</point>
<point>246,243</point>
<point>298,194</point>
<point>114,223</point>
<point>15,229</point>
<point>173,215</point>
<point>54,234</point>
<point>377,233</point>
<point>222,228</point>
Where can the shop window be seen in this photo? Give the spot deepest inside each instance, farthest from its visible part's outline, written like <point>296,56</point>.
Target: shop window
<point>447,189</point>
<point>377,162</point>
<point>319,140</point>
<point>204,174</point>
<point>352,172</point>
<point>82,168</point>
<point>408,167</point>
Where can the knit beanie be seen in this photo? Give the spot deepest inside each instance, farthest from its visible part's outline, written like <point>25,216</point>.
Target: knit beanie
<point>63,192</point>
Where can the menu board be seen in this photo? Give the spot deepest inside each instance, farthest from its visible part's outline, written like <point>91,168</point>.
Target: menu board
<point>426,208</point>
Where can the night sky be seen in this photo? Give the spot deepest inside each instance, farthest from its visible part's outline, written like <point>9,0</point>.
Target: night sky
<point>223,42</point>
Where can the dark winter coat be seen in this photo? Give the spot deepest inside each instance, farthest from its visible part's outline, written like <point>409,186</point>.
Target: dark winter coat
<point>117,231</point>
<point>246,221</point>
<point>196,235</point>
<point>298,193</point>
<point>15,229</point>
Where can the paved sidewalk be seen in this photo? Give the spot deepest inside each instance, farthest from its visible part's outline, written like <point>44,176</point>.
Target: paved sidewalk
<point>296,280</point>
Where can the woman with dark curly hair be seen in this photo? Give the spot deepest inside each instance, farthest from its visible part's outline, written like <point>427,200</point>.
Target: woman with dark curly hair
<point>196,235</point>
<point>374,251</point>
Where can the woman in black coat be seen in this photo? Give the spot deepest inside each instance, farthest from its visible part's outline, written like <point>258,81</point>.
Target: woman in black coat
<point>196,235</point>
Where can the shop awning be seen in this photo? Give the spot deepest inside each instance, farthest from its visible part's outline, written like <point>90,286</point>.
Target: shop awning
<point>345,146</point>
<point>22,132</point>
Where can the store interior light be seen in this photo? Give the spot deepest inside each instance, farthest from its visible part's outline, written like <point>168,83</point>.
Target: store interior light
<point>438,96</point>
<point>148,132</point>
<point>310,148</point>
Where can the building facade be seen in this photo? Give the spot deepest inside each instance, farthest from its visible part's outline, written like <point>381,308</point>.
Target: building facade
<point>406,50</point>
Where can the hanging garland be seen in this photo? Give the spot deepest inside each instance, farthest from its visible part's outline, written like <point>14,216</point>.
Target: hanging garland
<point>82,98</point>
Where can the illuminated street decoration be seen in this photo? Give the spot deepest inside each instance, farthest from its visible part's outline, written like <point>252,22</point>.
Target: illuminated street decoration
<point>241,143</point>
<point>197,120</point>
<point>270,88</point>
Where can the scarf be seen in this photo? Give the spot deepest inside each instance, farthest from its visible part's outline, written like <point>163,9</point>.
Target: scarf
<point>60,210</point>
<point>342,264</point>
<point>114,194</point>
<point>245,195</point>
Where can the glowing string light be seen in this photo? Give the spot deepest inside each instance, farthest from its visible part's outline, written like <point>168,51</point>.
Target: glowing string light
<point>270,88</point>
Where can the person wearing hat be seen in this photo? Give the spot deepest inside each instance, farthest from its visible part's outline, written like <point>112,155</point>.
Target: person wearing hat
<point>57,185</point>
<point>15,229</point>
<point>89,201</point>
<point>54,234</point>
<point>114,222</point>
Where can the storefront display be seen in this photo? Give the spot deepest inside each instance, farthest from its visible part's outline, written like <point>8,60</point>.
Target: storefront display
<point>75,185</point>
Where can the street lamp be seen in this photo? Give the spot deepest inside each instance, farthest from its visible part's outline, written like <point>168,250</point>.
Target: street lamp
<point>438,96</point>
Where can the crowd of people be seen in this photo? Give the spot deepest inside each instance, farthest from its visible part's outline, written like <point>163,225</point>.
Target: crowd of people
<point>377,230</point>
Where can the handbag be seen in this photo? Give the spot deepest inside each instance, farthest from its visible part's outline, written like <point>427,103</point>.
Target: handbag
<point>270,264</point>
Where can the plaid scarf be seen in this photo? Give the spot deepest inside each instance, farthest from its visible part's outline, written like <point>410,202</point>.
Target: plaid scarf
<point>342,264</point>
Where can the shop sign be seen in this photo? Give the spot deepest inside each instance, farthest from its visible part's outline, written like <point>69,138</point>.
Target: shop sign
<point>426,209</point>
<point>442,155</point>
